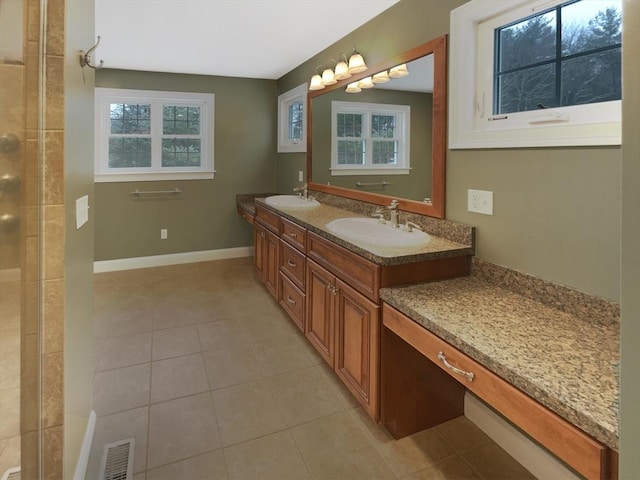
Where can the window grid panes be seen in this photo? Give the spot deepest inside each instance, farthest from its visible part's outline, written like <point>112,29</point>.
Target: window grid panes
<point>568,55</point>
<point>369,136</point>
<point>351,145</point>
<point>153,135</point>
<point>129,152</point>
<point>296,112</point>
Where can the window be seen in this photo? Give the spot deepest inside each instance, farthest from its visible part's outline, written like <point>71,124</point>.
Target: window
<point>541,73</point>
<point>369,138</point>
<point>148,135</point>
<point>292,122</point>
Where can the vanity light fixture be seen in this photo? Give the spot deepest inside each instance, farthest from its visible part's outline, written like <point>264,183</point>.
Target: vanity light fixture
<point>316,81</point>
<point>328,77</point>
<point>353,88</point>
<point>356,63</point>
<point>399,71</point>
<point>366,82</point>
<point>342,69</point>
<point>381,77</point>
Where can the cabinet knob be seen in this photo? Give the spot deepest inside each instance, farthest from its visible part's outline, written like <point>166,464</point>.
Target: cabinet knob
<point>291,300</point>
<point>291,264</point>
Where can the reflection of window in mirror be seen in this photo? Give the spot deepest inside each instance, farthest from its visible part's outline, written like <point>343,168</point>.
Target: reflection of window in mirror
<point>292,123</point>
<point>545,73</point>
<point>369,138</point>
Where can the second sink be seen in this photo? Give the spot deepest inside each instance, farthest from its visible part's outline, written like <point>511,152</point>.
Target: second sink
<point>291,201</point>
<point>371,231</point>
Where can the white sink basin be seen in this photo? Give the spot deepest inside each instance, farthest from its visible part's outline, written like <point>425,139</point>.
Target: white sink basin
<point>291,201</point>
<point>371,231</point>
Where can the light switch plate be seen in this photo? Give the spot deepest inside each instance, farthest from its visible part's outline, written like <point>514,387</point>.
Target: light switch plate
<point>480,201</point>
<point>82,211</point>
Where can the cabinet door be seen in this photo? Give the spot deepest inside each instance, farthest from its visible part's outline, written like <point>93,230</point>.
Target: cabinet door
<point>357,345</point>
<point>259,237</point>
<point>271,265</point>
<point>320,310</point>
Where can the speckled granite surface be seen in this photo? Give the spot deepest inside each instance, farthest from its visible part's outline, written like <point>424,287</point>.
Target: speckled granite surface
<point>315,220</point>
<point>568,363</point>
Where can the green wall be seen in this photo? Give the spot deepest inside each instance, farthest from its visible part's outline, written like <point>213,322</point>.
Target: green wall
<point>78,181</point>
<point>204,216</point>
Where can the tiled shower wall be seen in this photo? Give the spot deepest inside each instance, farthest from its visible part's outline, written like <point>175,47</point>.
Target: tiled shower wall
<point>43,242</point>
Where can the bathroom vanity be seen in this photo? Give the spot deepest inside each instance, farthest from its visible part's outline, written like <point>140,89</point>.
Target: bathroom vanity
<point>330,287</point>
<point>409,330</point>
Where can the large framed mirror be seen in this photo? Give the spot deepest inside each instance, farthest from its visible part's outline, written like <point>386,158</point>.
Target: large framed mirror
<point>409,167</point>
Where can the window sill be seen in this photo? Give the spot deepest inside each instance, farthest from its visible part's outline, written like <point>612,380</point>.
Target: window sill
<point>337,172</point>
<point>151,177</point>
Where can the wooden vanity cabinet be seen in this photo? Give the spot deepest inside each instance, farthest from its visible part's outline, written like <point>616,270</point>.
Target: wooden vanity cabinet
<point>587,456</point>
<point>343,326</point>
<point>292,275</point>
<point>320,310</point>
<point>266,244</point>
<point>357,340</point>
<point>332,295</point>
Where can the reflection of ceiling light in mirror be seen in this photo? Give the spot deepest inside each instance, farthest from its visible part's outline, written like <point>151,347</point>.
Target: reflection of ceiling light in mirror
<point>399,71</point>
<point>316,83</point>
<point>328,78</point>
<point>353,88</point>
<point>356,63</point>
<point>381,77</point>
<point>366,82</point>
<point>342,71</point>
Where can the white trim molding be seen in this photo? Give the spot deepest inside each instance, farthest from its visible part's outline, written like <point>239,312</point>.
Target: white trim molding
<point>470,126</point>
<point>116,265</point>
<point>85,450</point>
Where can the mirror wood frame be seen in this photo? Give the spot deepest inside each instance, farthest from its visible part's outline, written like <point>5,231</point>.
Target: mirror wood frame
<point>437,47</point>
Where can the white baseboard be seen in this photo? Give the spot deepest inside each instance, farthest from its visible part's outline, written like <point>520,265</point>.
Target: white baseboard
<point>527,453</point>
<point>85,450</point>
<point>170,259</point>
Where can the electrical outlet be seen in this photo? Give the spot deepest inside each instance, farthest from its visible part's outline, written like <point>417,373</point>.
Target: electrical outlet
<point>480,201</point>
<point>300,177</point>
<point>163,234</point>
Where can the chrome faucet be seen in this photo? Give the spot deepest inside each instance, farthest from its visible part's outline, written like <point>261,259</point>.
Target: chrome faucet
<point>302,191</point>
<point>393,214</point>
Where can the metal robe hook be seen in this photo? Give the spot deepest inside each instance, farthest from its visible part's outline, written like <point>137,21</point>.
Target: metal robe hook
<point>85,58</point>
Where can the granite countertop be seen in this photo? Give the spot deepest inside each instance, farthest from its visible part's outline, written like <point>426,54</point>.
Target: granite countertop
<point>569,364</point>
<point>315,220</point>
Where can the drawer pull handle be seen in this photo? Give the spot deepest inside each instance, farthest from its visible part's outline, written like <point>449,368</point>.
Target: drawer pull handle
<point>293,235</point>
<point>291,264</point>
<point>469,375</point>
<point>291,300</point>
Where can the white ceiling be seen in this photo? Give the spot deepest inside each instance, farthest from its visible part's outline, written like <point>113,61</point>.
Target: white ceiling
<point>237,38</point>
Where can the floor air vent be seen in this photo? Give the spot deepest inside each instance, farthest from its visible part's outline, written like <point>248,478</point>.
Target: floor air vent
<point>12,474</point>
<point>117,460</point>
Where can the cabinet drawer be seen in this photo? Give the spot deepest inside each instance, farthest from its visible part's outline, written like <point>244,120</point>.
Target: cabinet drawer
<point>292,264</point>
<point>292,300</point>
<point>294,234</point>
<point>358,272</point>
<point>269,219</point>
<point>246,216</point>
<point>587,456</point>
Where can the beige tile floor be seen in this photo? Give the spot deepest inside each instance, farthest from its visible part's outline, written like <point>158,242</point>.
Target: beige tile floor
<point>201,366</point>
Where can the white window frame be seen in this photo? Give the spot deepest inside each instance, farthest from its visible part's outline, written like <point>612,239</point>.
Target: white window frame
<point>471,122</point>
<point>106,96</point>
<point>285,100</point>
<point>403,127</point>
